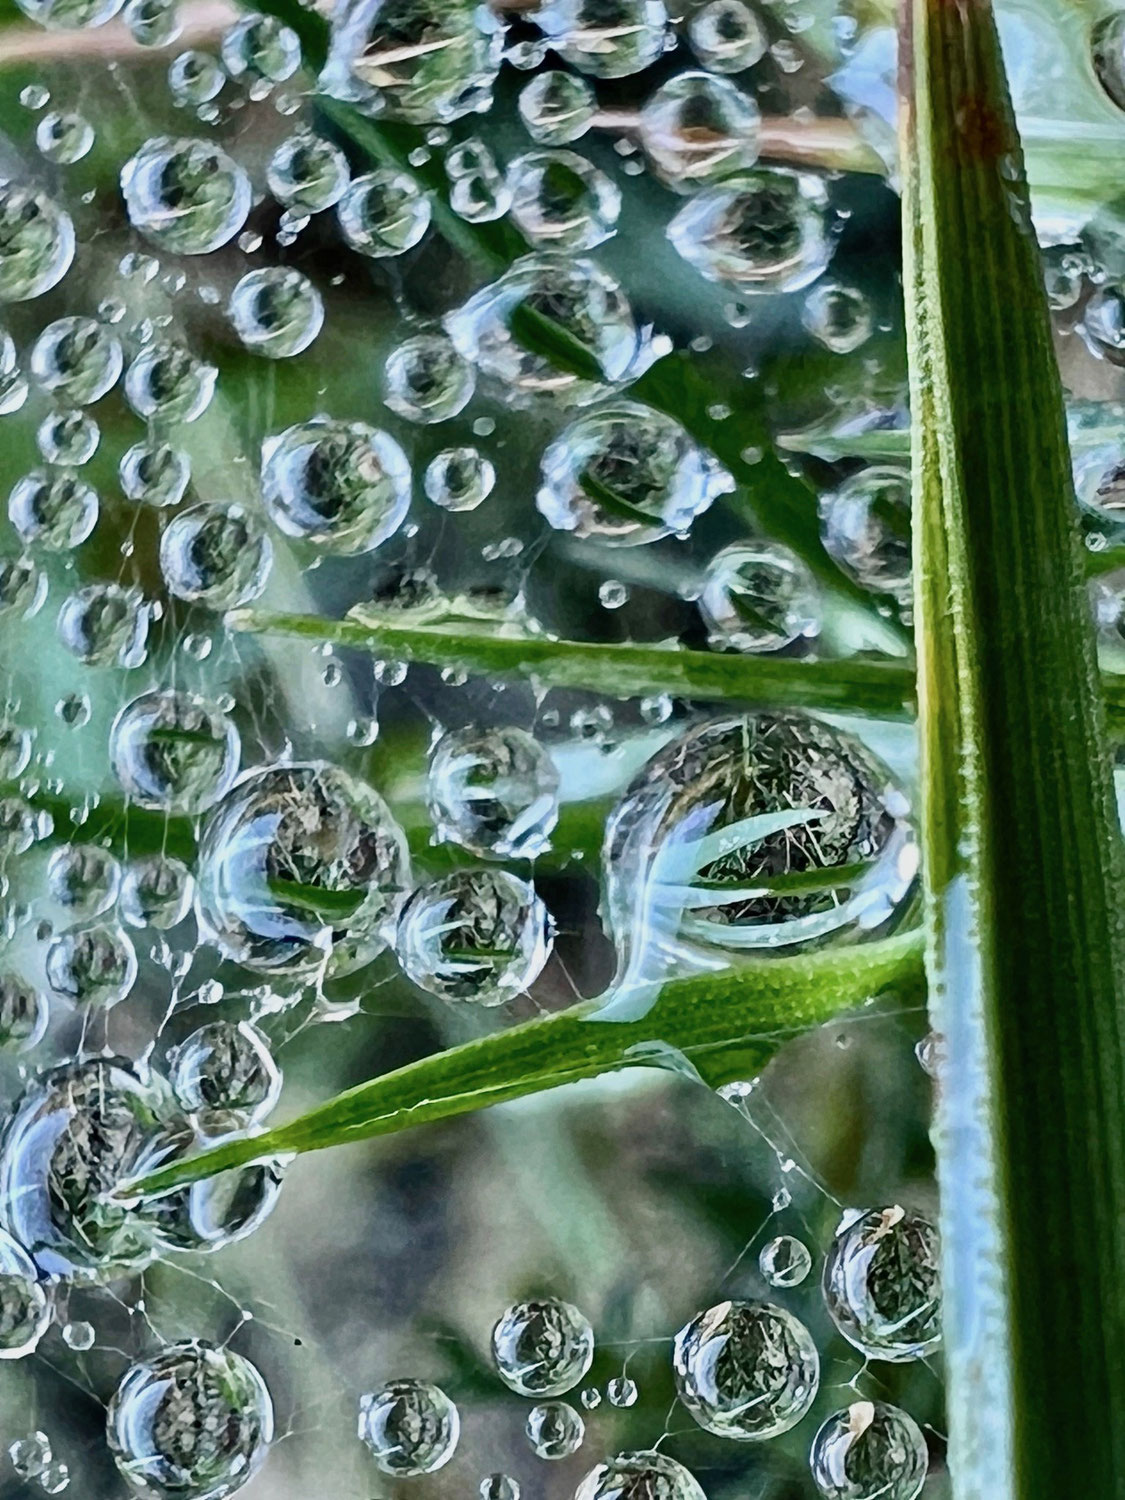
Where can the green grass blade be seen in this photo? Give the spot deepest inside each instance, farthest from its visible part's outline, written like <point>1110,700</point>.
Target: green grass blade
<point>726,1025</point>
<point>1022,849</point>
<point>879,688</point>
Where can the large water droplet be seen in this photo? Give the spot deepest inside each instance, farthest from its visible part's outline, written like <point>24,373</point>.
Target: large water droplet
<point>764,231</point>
<point>343,486</point>
<point>410,1427</point>
<point>542,1348</point>
<point>882,1284</point>
<point>746,1370</point>
<point>187,196</point>
<point>869,1451</point>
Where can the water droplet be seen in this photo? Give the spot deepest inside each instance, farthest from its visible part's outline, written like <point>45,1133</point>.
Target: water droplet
<point>882,1284</point>
<point>84,879</point>
<point>613,594</point>
<point>383,213</point>
<point>36,243</point>
<point>68,438</point>
<point>195,77</point>
<point>542,1348</point>
<point>105,623</point>
<point>192,1420</point>
<point>554,1430</point>
<point>216,555</point>
<point>168,383</point>
<point>173,752</point>
<point>343,486</point>
<point>308,174</point>
<point>261,47</point>
<point>1103,324</point>
<point>928,1051</point>
<point>606,38</point>
<point>869,1451</point>
<point>865,526</point>
<point>410,1427</point>
<point>53,510</point>
<point>839,317</point>
<point>187,196</point>
<point>765,231</point>
<point>24,1014</point>
<point>276,311</point>
<point>476,935</point>
<point>758,596</point>
<point>784,1261</point>
<point>631,1476</point>
<point>64,137</point>
<point>627,474</point>
<point>498,1487</point>
<point>153,23</point>
<point>459,479</point>
<point>1107,47</point>
<point>727,36</point>
<point>746,1370</point>
<point>78,1336</point>
<point>427,380</point>
<point>225,1078</point>
<point>557,107</point>
<point>214,1213</point>
<point>696,128</point>
<point>25,1301</point>
<point>74,710</point>
<point>156,892</point>
<point>622,1391</point>
<point>494,792</point>
<point>561,202</point>
<point>94,968</point>
<point>300,866</point>
<point>154,474</point>
<point>35,96</point>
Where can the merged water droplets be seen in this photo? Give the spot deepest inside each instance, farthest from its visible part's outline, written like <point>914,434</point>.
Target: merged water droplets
<point>869,1451</point>
<point>187,196</point>
<point>173,751</point>
<point>344,486</point>
<point>542,1348</point>
<point>494,792</point>
<point>410,1427</point>
<point>882,1283</point>
<point>36,243</point>
<point>746,1370</point>
<point>215,555</point>
<point>194,1422</point>
<point>300,867</point>
<point>627,474</point>
<point>764,231</point>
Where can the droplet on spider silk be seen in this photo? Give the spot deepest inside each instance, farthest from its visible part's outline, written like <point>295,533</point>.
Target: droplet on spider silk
<point>410,1427</point>
<point>26,1303</point>
<point>195,77</point>
<point>784,1261</point>
<point>261,47</point>
<point>216,1212</point>
<point>79,1336</point>
<point>31,1455</point>
<point>173,751</point>
<point>1107,49</point>
<point>308,174</point>
<point>154,474</point>
<point>717,844</point>
<point>697,128</point>
<point>105,624</point>
<point>869,1451</point>
<point>343,486</point>
<point>193,1422</point>
<point>64,137</point>
<point>727,36</point>
<point>383,213</point>
<point>764,231</point>
<point>224,1077</point>
<point>276,311</point>
<point>24,1014</point>
<point>882,1283</point>
<point>427,380</point>
<point>23,587</point>
<point>622,1392</point>
<point>1103,324</point>
<point>480,936</point>
<point>865,526</point>
<point>84,880</point>
<point>418,60</point>
<point>560,201</point>
<point>301,866</point>
<point>186,196</point>
<point>557,107</point>
<point>746,1370</point>
<point>95,967</point>
<point>167,383</point>
<point>153,23</point>
<point>839,317</point>
<point>459,479</point>
<point>76,1133</point>
<point>36,243</point>
<point>639,1476</point>
<point>216,555</point>
<point>627,474</point>
<point>542,1348</point>
<point>493,791</point>
<point>554,1430</point>
<point>156,891</point>
<point>758,596</point>
<point>54,510</point>
<point>67,438</point>
<point>605,38</point>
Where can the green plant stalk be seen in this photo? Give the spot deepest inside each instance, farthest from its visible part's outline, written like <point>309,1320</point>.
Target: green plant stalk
<point>1022,851</point>
<point>870,688</point>
<point>726,1025</point>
